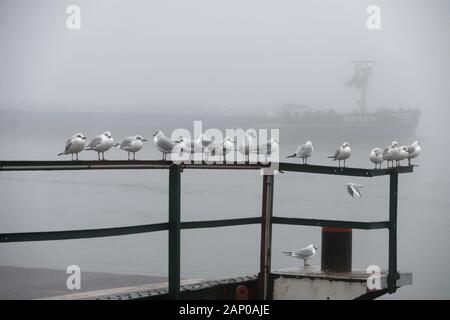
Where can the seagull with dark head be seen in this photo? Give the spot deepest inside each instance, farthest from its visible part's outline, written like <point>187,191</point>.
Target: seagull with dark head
<point>101,144</point>
<point>304,253</point>
<point>74,145</point>
<point>342,153</point>
<point>132,145</point>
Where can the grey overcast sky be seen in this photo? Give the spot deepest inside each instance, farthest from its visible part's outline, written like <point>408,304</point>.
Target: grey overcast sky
<point>146,55</point>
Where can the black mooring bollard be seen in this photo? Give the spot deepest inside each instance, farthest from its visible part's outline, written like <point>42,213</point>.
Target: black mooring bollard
<point>336,249</point>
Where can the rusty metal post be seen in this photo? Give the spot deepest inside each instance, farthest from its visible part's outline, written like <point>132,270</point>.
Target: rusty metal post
<point>174,231</point>
<point>266,236</point>
<point>393,275</point>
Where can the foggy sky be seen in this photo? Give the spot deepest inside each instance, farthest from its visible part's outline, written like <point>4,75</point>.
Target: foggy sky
<point>147,55</point>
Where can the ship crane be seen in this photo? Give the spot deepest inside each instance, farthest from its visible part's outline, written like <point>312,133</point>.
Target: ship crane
<point>360,80</point>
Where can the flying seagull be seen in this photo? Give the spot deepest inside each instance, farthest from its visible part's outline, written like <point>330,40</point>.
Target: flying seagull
<point>353,189</point>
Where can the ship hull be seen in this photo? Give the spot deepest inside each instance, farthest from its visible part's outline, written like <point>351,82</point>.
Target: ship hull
<point>377,126</point>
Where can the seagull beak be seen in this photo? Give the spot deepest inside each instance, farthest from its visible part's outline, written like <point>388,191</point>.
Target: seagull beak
<point>144,140</point>
<point>84,138</point>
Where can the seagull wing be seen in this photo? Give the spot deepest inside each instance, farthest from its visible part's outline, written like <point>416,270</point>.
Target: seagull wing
<point>350,190</point>
<point>303,253</point>
<point>337,153</point>
<point>165,143</point>
<point>95,142</point>
<point>126,142</point>
<point>68,144</point>
<point>356,190</point>
<point>411,149</point>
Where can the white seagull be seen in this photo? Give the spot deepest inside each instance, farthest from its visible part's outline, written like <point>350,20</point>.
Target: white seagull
<point>304,151</point>
<point>220,149</point>
<point>163,143</point>
<point>414,151</point>
<point>249,145</point>
<point>74,145</point>
<point>304,253</point>
<point>402,154</point>
<point>268,147</point>
<point>390,153</point>
<point>353,189</point>
<point>376,157</point>
<point>190,146</point>
<point>204,140</point>
<point>342,153</point>
<point>132,145</point>
<point>101,144</point>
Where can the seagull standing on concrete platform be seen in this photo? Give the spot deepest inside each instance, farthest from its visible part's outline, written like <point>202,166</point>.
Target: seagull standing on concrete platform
<point>353,189</point>
<point>342,153</point>
<point>304,253</point>
<point>304,151</point>
<point>74,145</point>
<point>132,145</point>
<point>414,151</point>
<point>101,144</point>
<point>163,143</point>
<point>376,157</point>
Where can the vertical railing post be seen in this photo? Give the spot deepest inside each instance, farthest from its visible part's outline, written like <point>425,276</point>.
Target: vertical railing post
<point>393,194</point>
<point>174,231</point>
<point>266,236</point>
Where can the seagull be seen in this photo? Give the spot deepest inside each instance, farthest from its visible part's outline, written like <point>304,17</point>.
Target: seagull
<point>131,144</point>
<point>163,143</point>
<point>304,151</point>
<point>376,157</point>
<point>268,147</point>
<point>414,151</point>
<point>304,253</point>
<point>190,146</point>
<point>389,154</point>
<point>342,153</point>
<point>101,144</point>
<point>248,145</point>
<point>402,154</point>
<point>74,145</point>
<point>215,149</point>
<point>353,189</point>
<point>204,140</point>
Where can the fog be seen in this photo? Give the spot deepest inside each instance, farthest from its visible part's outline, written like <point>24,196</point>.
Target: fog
<point>213,56</point>
<point>133,65</point>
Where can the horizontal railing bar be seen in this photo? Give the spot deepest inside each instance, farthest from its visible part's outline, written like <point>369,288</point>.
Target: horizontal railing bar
<point>111,232</point>
<point>118,164</point>
<point>331,223</point>
<point>163,164</point>
<point>81,234</point>
<point>356,172</point>
<point>220,223</point>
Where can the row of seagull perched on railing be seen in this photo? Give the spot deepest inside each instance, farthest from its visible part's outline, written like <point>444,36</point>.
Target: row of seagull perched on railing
<point>132,144</point>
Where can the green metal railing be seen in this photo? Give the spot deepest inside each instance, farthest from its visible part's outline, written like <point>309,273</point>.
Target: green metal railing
<point>175,225</point>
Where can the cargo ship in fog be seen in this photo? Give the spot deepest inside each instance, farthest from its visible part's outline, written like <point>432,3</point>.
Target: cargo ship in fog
<point>296,121</point>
